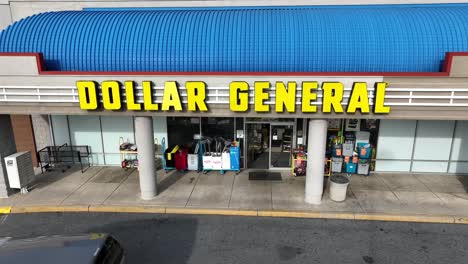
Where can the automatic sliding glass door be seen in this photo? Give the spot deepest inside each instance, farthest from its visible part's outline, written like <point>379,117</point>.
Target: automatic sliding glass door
<point>281,146</point>
<point>258,145</point>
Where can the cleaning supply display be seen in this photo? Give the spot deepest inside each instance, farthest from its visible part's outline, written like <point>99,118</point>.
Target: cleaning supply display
<point>351,168</point>
<point>226,160</point>
<point>337,164</point>
<point>207,155</point>
<point>217,163</point>
<point>337,150</point>
<point>194,156</point>
<point>225,157</point>
<point>348,149</point>
<point>363,167</point>
<point>169,156</point>
<point>192,160</point>
<point>234,154</point>
<point>364,150</point>
<point>351,146</point>
<point>181,160</point>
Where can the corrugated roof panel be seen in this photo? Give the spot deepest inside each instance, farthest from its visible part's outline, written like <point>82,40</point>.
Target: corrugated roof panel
<point>400,38</point>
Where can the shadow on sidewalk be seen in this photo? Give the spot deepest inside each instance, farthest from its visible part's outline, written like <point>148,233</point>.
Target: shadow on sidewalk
<point>463,180</point>
<point>161,239</point>
<point>49,177</point>
<point>169,180</point>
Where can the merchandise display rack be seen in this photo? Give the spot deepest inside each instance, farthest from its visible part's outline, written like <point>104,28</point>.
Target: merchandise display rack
<point>163,147</point>
<point>222,171</point>
<point>133,162</point>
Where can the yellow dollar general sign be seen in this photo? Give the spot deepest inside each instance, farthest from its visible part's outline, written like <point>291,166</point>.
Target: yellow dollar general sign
<point>112,97</point>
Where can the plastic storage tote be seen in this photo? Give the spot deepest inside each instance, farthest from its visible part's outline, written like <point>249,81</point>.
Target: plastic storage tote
<point>217,163</point>
<point>348,149</point>
<point>207,161</point>
<point>226,160</point>
<point>192,160</point>
<point>364,150</point>
<point>235,158</point>
<point>351,168</point>
<point>181,159</point>
<point>337,164</point>
<point>337,150</point>
<point>363,167</point>
<point>169,156</point>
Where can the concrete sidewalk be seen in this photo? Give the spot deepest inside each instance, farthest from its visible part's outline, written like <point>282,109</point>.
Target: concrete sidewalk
<point>386,195</point>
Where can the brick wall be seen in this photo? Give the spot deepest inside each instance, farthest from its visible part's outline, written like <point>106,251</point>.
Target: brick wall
<point>24,135</point>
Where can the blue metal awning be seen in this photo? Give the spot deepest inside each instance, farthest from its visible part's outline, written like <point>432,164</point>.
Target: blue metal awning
<point>398,38</point>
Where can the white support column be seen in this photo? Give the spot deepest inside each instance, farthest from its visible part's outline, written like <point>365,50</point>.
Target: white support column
<point>317,138</point>
<point>146,164</point>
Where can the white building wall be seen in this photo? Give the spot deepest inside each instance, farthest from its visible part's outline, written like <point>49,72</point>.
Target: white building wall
<point>5,15</point>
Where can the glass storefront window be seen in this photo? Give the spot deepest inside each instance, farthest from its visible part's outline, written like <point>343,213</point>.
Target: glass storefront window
<point>218,127</point>
<point>181,130</point>
<point>268,119</point>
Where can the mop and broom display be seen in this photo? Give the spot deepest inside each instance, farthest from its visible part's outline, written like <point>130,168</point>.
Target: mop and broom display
<point>200,156</point>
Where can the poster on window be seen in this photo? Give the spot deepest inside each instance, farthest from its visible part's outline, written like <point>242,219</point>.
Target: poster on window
<point>353,125</point>
<point>240,133</point>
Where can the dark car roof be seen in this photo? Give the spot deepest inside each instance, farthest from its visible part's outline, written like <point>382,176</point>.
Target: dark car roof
<point>51,249</point>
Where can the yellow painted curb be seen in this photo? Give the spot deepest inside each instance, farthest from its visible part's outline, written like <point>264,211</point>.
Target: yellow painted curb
<point>306,214</point>
<point>461,220</point>
<point>236,212</point>
<point>407,218</point>
<point>48,209</point>
<point>211,211</point>
<point>5,210</point>
<point>127,209</point>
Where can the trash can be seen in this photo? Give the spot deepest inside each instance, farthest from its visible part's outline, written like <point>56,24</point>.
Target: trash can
<point>338,187</point>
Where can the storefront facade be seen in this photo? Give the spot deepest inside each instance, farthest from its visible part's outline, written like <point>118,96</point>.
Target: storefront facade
<point>273,85</point>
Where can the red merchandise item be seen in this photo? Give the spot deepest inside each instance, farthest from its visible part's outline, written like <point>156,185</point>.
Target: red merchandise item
<point>181,162</point>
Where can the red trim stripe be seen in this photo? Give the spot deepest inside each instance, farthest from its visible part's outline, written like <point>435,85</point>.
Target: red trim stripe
<point>445,71</point>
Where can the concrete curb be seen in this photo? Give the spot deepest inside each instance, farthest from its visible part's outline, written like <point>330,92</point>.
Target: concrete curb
<point>237,212</point>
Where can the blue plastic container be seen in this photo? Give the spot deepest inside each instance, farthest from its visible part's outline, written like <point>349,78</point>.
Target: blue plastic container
<point>235,158</point>
<point>351,168</point>
<point>337,150</point>
<point>364,150</point>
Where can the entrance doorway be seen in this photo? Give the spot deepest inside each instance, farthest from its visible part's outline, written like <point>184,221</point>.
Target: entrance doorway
<point>269,144</point>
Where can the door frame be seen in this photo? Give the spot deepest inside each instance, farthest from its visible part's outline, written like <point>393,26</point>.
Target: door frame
<point>270,123</point>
